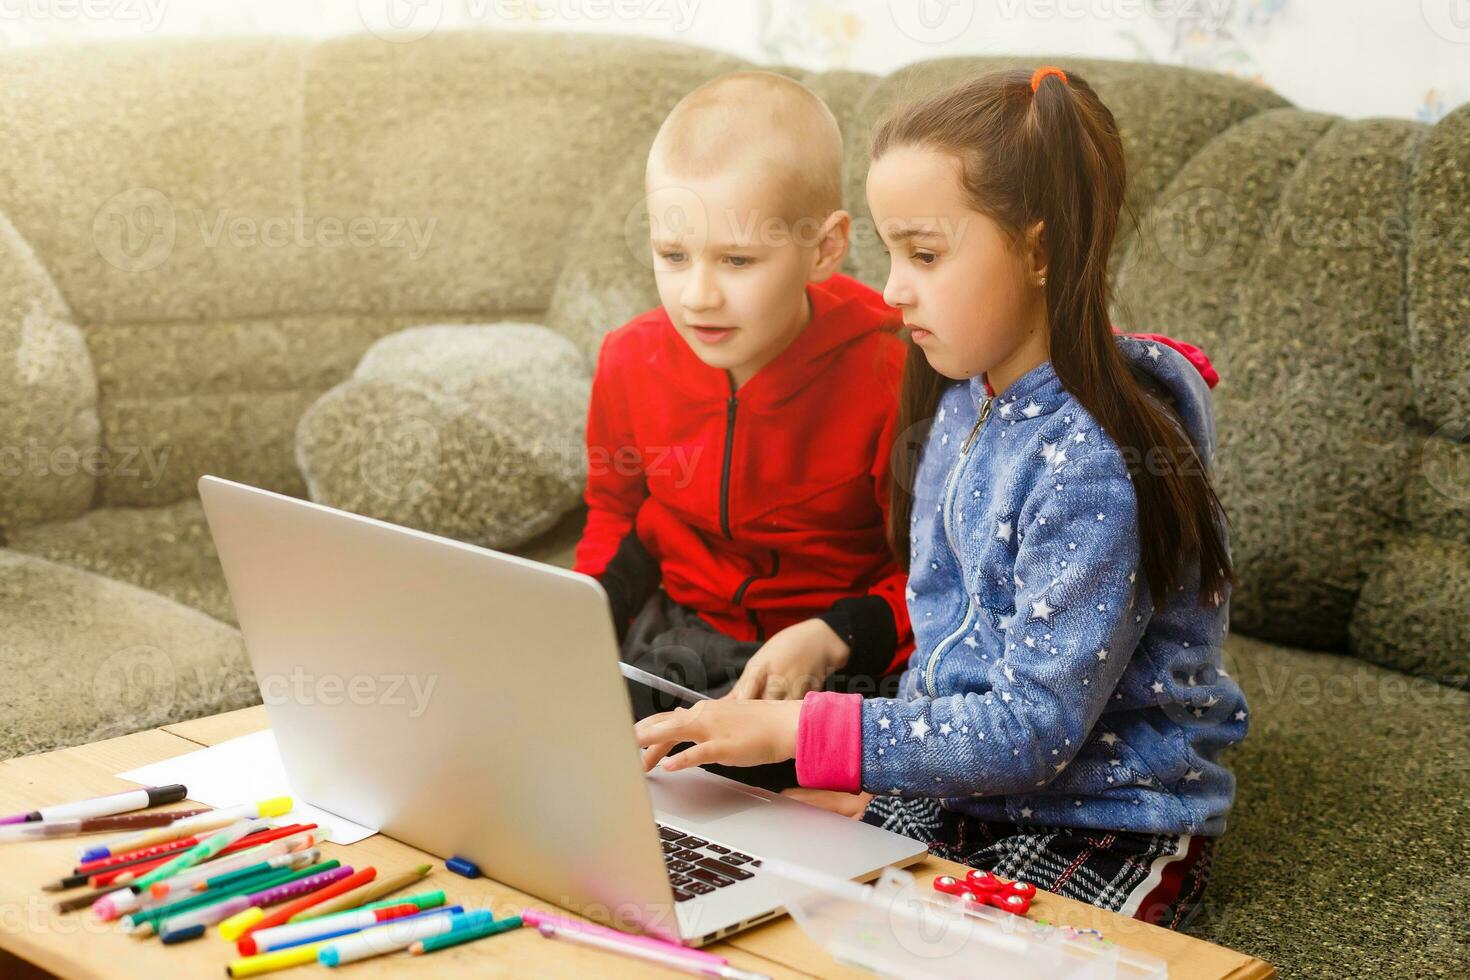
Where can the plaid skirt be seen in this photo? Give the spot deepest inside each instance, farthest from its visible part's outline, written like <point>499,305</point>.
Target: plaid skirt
<point>1158,878</point>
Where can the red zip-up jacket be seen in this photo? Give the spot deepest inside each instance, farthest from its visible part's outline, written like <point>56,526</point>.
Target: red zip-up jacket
<point>764,506</point>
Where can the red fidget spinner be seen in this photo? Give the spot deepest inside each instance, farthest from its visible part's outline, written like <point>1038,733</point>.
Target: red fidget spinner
<point>984,888</point>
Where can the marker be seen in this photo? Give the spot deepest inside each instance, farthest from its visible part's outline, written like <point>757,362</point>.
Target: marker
<point>127,899</point>
<point>356,880</point>
<point>424,900</point>
<point>362,900</point>
<point>181,935</point>
<point>251,966</point>
<point>83,873</point>
<point>535,918</point>
<point>320,930</point>
<point>108,881</point>
<point>394,936</point>
<point>368,896</point>
<point>91,825</point>
<point>281,959</point>
<point>232,872</point>
<point>241,864</point>
<point>188,899</point>
<point>463,866</point>
<point>669,957</point>
<point>467,934</point>
<point>249,913</point>
<point>205,821</point>
<point>146,922</point>
<point>207,909</point>
<point>203,851</point>
<point>203,877</point>
<point>258,883</point>
<point>102,806</point>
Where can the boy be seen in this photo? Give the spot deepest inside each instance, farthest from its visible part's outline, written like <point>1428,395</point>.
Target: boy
<point>739,435</point>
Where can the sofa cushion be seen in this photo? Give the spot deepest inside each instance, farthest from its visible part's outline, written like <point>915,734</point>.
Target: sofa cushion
<point>1411,613</point>
<point>49,452</point>
<point>475,433</point>
<point>1439,274</point>
<point>87,657</point>
<point>162,549</point>
<point>1345,853</point>
<point>168,550</point>
<point>1300,303</point>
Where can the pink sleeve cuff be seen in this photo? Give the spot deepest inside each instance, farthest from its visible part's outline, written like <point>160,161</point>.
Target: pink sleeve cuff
<point>829,742</point>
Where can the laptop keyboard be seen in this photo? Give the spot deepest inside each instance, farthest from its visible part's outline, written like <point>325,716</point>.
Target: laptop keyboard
<point>697,867</point>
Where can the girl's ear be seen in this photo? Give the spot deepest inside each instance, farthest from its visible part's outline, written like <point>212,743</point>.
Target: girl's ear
<point>832,238</point>
<point>1036,253</point>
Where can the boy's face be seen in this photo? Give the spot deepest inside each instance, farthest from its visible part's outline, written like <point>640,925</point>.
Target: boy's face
<point>731,271</point>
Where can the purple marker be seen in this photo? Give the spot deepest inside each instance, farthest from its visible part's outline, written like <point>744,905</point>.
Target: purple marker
<point>218,912</point>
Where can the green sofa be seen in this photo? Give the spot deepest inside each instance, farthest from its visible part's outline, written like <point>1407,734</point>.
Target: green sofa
<point>376,273</point>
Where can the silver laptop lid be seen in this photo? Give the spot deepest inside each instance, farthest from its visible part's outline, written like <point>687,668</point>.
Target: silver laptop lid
<point>382,655</point>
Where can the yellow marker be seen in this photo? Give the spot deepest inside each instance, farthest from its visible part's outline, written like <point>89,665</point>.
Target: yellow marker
<point>231,929</point>
<point>281,959</point>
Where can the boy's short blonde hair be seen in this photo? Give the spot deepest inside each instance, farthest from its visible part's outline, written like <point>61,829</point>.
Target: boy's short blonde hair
<point>760,120</point>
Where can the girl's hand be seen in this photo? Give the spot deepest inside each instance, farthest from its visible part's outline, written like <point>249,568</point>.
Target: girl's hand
<point>733,733</point>
<point>847,804</point>
<point>796,660</point>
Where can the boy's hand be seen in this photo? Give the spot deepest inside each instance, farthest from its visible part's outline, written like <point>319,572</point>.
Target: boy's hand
<point>796,660</point>
<point>846,804</point>
<point>733,733</point>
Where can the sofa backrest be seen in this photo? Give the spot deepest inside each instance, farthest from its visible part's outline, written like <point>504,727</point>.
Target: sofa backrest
<point>1330,285</point>
<point>232,222</point>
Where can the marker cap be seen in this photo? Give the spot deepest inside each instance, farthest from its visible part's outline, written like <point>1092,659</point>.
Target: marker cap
<point>276,806</point>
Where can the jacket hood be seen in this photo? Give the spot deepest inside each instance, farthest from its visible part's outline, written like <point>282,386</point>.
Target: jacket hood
<point>1181,370</point>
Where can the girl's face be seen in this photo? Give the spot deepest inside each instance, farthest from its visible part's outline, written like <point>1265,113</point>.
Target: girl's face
<point>970,295</point>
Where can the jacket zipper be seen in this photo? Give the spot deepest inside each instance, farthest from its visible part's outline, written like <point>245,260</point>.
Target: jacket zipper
<point>739,597</point>
<point>730,407</point>
<point>946,515</point>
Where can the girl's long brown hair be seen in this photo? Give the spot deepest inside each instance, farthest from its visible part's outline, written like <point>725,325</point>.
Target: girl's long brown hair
<point>1056,157</point>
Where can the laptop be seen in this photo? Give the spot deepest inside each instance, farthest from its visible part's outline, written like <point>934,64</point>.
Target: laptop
<point>470,703</point>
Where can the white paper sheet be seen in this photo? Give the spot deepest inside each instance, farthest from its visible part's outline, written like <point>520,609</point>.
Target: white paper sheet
<point>243,770</point>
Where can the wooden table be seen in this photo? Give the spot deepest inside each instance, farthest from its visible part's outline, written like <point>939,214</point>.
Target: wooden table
<point>34,936</point>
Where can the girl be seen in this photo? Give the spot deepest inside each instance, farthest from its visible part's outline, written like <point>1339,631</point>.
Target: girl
<point>1063,714</point>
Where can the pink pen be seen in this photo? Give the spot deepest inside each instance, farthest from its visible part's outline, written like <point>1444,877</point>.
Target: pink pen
<point>664,954</point>
<point>535,919</point>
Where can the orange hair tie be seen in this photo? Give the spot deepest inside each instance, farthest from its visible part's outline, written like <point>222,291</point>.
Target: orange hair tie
<point>1042,73</point>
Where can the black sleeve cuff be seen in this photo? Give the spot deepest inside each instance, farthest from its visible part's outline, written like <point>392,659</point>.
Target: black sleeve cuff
<point>866,625</point>
<point>629,579</point>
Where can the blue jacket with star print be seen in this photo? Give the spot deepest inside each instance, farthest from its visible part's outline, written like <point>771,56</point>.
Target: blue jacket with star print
<point>1044,688</point>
